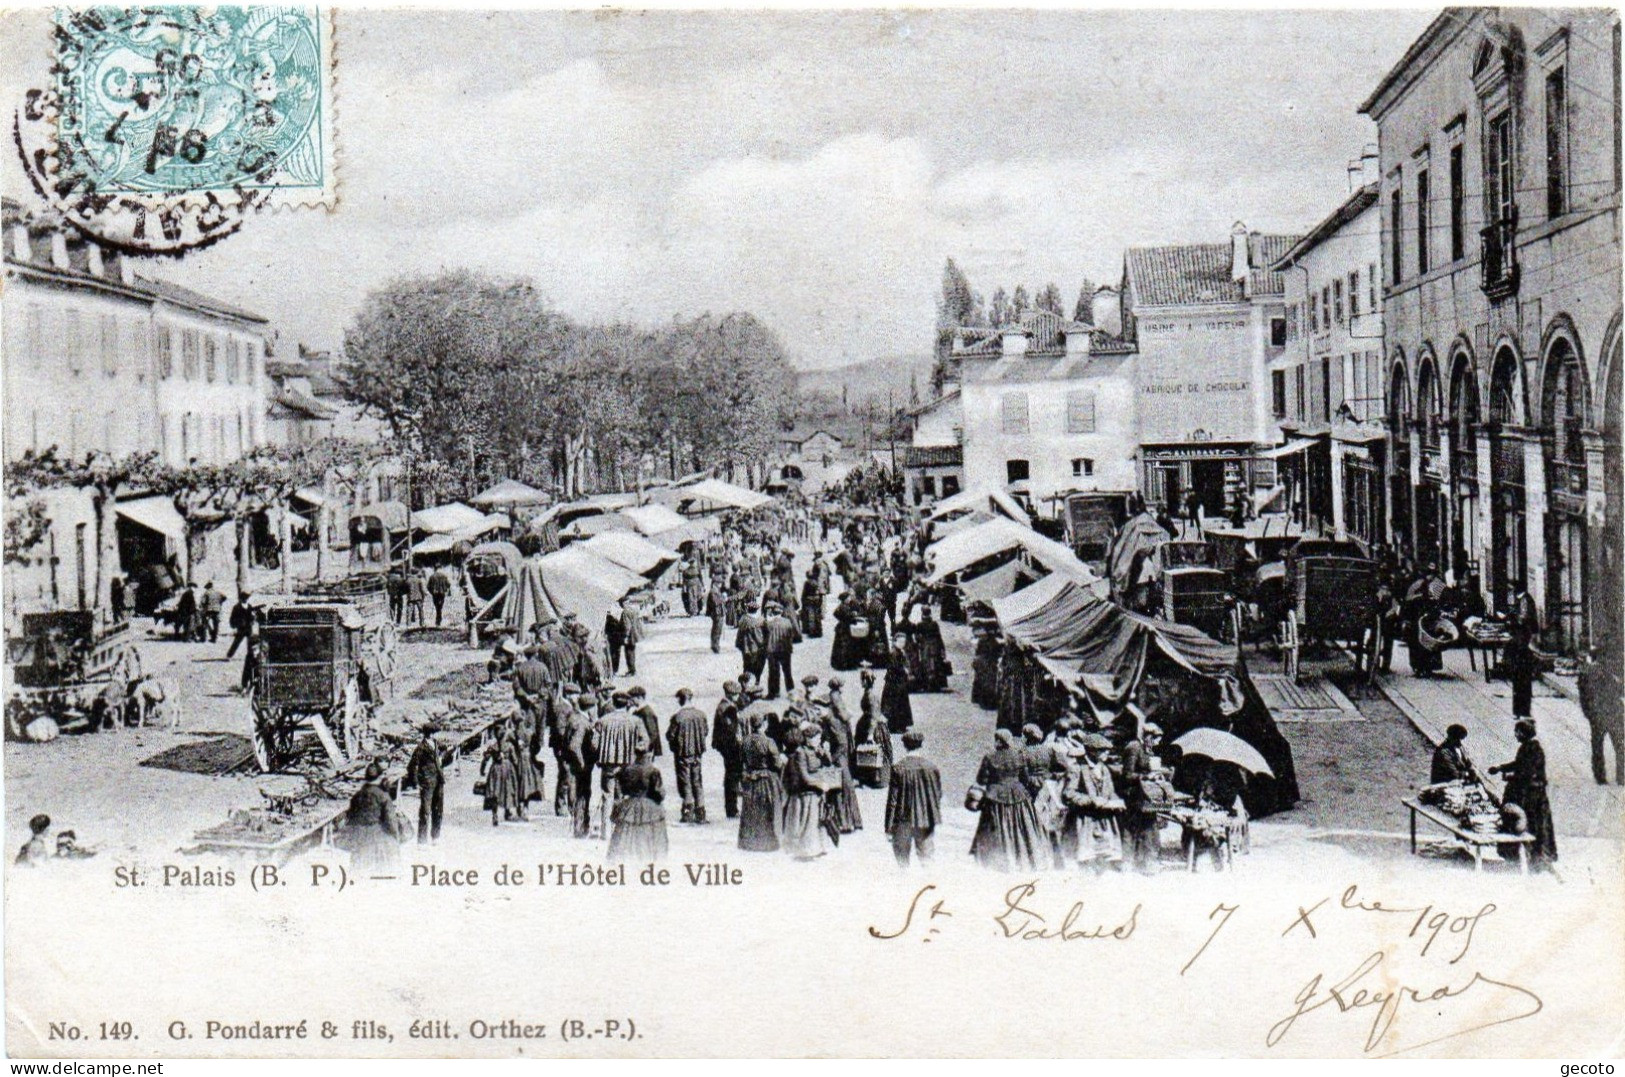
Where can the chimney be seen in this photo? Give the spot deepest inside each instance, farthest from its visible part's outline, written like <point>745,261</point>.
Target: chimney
<point>1239,259</point>
<point>1013,342</point>
<point>1370,169</point>
<point>1356,175</point>
<point>20,249</point>
<point>1108,310</point>
<point>94,250</point>
<point>59,250</point>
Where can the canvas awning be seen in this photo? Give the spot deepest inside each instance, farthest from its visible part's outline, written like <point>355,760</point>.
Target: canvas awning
<point>990,500</point>
<point>509,493</point>
<point>1296,445</point>
<point>653,519</point>
<point>1131,549</point>
<point>156,513</point>
<point>445,519</point>
<point>964,548</point>
<point>722,494</point>
<point>631,551</point>
<point>994,585</point>
<point>391,515</point>
<point>1030,599</point>
<point>570,580</point>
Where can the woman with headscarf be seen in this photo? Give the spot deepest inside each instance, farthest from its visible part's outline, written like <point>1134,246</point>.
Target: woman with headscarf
<point>845,652</point>
<point>984,681</point>
<point>803,835</point>
<point>1526,787</point>
<point>894,701</point>
<point>930,656</point>
<point>1094,837</point>
<point>371,825</point>
<point>639,834</point>
<point>761,790</point>
<point>501,785</point>
<point>837,734</point>
<point>1007,835</point>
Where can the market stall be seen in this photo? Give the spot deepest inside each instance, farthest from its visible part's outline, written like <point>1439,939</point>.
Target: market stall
<point>632,552</point>
<point>990,539</point>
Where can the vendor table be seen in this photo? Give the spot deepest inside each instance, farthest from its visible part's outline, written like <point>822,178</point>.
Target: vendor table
<point>1487,640</point>
<point>1474,840</point>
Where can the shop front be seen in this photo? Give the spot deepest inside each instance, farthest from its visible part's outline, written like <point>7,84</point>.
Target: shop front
<point>1220,477</point>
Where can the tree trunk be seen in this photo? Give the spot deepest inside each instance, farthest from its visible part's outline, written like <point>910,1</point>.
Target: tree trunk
<point>324,521</point>
<point>240,524</point>
<point>106,552</point>
<point>285,537</point>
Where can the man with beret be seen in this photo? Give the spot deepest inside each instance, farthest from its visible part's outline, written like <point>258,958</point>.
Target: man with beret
<point>614,743</point>
<point>425,772</point>
<point>779,636</point>
<point>913,802</point>
<point>728,739</point>
<point>686,735</point>
<point>646,714</point>
<point>750,641</point>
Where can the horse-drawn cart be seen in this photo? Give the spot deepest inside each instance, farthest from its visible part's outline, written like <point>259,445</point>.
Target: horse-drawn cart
<point>1331,593</point>
<point>64,667</point>
<point>318,666</point>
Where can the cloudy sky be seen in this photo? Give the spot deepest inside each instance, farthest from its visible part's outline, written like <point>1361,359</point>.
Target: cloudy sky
<point>815,168</point>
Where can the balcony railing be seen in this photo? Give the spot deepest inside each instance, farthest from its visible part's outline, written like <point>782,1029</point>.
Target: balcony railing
<point>1499,265</point>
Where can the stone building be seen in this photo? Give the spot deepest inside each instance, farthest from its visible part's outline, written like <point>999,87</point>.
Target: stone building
<point>1499,136</point>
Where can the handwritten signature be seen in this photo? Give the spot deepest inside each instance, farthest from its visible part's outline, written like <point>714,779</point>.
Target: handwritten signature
<point>1019,919</point>
<point>1385,1004</point>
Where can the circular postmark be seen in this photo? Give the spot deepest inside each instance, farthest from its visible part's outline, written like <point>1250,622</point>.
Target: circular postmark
<point>166,126</point>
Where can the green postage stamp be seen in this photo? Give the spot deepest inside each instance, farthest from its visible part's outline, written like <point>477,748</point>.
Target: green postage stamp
<point>165,123</point>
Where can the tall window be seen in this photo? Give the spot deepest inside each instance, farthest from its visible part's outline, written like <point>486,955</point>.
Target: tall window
<point>1422,221</point>
<point>234,359</point>
<point>210,359</point>
<point>1458,225</point>
<point>1326,307</point>
<point>1080,412</point>
<point>1500,184</point>
<point>1396,235</point>
<point>166,352</point>
<point>189,354</point>
<point>1013,417</point>
<point>1017,471</point>
<point>1314,314</point>
<point>1371,286</point>
<point>36,334</point>
<point>1557,144</point>
<point>1337,300</point>
<point>74,342</point>
<point>1278,392</point>
<point>109,344</point>
<point>1354,294</point>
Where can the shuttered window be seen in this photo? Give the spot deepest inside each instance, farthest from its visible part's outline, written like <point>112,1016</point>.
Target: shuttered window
<point>1080,412</point>
<point>1014,413</point>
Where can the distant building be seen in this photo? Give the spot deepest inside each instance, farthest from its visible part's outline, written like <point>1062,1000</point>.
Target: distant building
<point>810,446</point>
<point>1107,305</point>
<point>1207,321</point>
<point>934,460</point>
<point>1327,388</point>
<point>1499,139</point>
<point>1047,408</point>
<point>295,417</point>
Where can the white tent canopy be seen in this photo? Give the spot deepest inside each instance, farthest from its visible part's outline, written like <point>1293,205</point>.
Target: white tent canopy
<point>964,548</point>
<point>1030,599</point>
<point>630,551</point>
<point>988,499</point>
<point>725,495</point>
<point>445,519</point>
<point>157,513</point>
<point>508,493</point>
<point>653,519</point>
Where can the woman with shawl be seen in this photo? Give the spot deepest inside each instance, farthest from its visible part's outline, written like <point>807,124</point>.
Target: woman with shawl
<point>1007,835</point>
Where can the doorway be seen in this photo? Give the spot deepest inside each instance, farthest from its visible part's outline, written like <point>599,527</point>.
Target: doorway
<point>1207,482</point>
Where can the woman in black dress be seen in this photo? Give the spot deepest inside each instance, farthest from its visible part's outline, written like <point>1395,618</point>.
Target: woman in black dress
<point>1007,835</point>
<point>894,701</point>
<point>1526,787</point>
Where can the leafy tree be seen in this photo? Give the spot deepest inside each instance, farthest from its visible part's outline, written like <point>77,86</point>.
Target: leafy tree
<point>1049,298</point>
<point>1084,311</point>
<point>1019,302</point>
<point>998,310</point>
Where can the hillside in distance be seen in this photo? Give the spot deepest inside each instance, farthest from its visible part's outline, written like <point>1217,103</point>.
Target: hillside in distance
<point>870,379</point>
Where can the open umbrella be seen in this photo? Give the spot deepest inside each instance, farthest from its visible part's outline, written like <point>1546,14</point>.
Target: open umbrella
<point>1223,747</point>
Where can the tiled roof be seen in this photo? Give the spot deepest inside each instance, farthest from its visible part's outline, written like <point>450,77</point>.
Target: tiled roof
<point>1193,274</point>
<point>1030,368</point>
<point>186,297</point>
<point>302,406</point>
<point>1356,204</point>
<point>933,456</point>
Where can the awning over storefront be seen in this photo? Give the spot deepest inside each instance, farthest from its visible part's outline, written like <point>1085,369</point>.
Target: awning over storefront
<point>157,513</point>
<point>1296,445</point>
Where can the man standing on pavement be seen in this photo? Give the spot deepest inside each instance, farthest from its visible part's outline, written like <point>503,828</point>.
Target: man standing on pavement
<point>631,636</point>
<point>693,585</point>
<point>716,608</point>
<point>414,596</point>
<point>913,802</point>
<point>439,587</point>
<point>241,623</point>
<point>751,642</point>
<point>779,636</point>
<point>686,735</point>
<point>646,714</point>
<point>615,637</point>
<point>209,605</point>
<point>1604,709</point>
<point>728,743</point>
<point>577,737</point>
<point>1140,819</point>
<point>430,779</point>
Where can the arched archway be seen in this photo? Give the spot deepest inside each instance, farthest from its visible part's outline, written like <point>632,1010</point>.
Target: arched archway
<point>1463,424</point>
<point>1509,539</point>
<point>1399,453</point>
<point>1564,406</point>
<point>1609,552</point>
<point>1431,536</point>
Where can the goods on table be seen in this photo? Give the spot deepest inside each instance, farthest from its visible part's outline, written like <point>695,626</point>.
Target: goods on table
<point>263,827</point>
<point>1469,803</point>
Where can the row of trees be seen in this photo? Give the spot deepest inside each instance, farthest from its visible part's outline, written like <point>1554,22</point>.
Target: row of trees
<point>485,375</point>
<point>960,305</point>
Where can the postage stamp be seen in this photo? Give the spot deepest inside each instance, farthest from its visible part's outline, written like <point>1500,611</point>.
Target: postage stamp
<point>165,124</point>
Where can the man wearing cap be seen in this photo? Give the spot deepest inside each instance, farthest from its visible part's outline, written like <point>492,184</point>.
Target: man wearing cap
<point>751,643</point>
<point>614,742</point>
<point>373,830</point>
<point>429,777</point>
<point>532,682</point>
<point>913,802</point>
<point>1140,819</point>
<point>728,738</point>
<point>779,636</point>
<point>686,735</point>
<point>575,762</point>
<point>716,608</point>
<point>646,714</point>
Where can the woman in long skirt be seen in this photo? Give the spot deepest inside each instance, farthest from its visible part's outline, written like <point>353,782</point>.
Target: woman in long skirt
<point>501,790</point>
<point>804,804</point>
<point>984,684</point>
<point>872,731</point>
<point>639,834</point>
<point>846,653</point>
<point>1007,835</point>
<point>761,791</point>
<point>894,701</point>
<point>526,785</point>
<point>1094,835</point>
<point>837,733</point>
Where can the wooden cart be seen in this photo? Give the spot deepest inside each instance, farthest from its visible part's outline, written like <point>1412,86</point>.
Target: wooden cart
<point>1332,599</point>
<point>62,664</point>
<point>310,676</point>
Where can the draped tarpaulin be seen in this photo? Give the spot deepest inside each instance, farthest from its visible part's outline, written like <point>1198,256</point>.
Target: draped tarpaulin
<point>1106,652</point>
<point>631,551</point>
<point>1130,553</point>
<point>568,581</point>
<point>964,548</point>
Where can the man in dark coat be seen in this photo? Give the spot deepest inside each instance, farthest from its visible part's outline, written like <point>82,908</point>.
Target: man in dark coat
<point>1450,762</point>
<point>716,608</point>
<point>578,761</point>
<point>1526,787</point>
<point>639,698</point>
<point>1604,708</point>
<point>913,802</point>
<point>751,643</point>
<point>631,636</point>
<point>1139,819</point>
<point>427,775</point>
<point>693,585</point>
<point>725,738</point>
<point>779,636</point>
<point>615,638</point>
<point>1518,659</point>
<point>686,735</point>
<point>241,622</point>
<point>186,615</point>
<point>439,587</point>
